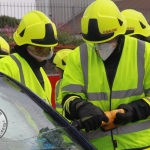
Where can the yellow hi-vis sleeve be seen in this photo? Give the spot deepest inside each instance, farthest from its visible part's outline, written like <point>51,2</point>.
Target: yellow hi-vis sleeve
<point>147,100</point>
<point>67,103</point>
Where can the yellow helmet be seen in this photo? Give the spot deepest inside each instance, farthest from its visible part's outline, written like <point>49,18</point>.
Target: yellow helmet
<point>60,58</point>
<point>4,48</point>
<point>102,21</point>
<point>136,23</point>
<point>36,29</point>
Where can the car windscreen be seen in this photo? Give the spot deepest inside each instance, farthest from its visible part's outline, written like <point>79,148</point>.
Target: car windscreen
<point>24,125</point>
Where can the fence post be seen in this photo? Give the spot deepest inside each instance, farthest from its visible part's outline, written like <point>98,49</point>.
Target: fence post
<point>73,20</point>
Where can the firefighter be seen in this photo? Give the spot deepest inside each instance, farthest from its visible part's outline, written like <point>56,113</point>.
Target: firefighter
<point>4,47</point>
<point>35,39</point>
<point>109,71</point>
<point>137,25</point>
<point>59,61</point>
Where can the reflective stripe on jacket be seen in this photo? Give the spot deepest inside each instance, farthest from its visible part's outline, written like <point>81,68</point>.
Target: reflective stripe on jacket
<point>17,68</point>
<point>85,75</point>
<point>58,96</point>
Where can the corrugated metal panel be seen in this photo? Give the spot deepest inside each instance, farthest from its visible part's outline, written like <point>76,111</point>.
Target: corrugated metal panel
<point>67,12</point>
<point>61,11</point>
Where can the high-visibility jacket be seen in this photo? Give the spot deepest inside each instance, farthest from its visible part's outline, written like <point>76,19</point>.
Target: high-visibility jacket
<point>58,96</point>
<point>16,67</point>
<point>85,76</point>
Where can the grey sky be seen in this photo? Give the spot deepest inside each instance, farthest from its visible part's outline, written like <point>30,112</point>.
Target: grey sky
<point>23,1</point>
<point>16,8</point>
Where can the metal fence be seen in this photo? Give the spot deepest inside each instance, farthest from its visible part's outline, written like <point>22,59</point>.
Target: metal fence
<point>61,12</point>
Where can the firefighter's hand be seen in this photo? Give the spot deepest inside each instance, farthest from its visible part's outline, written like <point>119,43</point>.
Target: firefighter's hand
<point>91,116</point>
<point>111,116</point>
<point>124,118</point>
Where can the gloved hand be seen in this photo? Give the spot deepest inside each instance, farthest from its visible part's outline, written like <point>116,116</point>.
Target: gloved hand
<point>111,116</point>
<point>90,115</point>
<point>124,118</point>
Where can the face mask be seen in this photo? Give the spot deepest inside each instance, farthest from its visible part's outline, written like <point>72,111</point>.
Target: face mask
<point>105,49</point>
<point>38,58</point>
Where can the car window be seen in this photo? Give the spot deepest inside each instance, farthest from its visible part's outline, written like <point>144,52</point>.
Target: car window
<point>29,127</point>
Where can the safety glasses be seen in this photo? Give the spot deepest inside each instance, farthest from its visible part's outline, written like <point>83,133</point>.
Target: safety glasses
<point>40,51</point>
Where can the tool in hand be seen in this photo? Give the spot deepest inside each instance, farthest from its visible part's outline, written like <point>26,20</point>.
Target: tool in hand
<point>105,126</point>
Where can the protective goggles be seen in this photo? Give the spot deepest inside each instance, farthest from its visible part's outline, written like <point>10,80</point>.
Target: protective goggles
<point>40,51</point>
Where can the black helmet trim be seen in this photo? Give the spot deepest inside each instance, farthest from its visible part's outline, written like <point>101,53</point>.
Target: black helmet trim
<point>2,52</point>
<point>63,63</point>
<point>120,22</point>
<point>132,30</point>
<point>129,32</point>
<point>94,34</point>
<point>142,25</point>
<point>49,37</point>
<point>22,33</point>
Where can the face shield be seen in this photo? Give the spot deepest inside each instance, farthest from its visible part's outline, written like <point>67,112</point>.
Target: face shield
<point>40,53</point>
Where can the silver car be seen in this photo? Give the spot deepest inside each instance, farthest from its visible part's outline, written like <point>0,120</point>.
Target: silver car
<point>28,123</point>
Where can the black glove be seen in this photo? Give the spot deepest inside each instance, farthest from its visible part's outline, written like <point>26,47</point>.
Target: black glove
<point>126,117</point>
<point>134,111</point>
<point>90,115</point>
